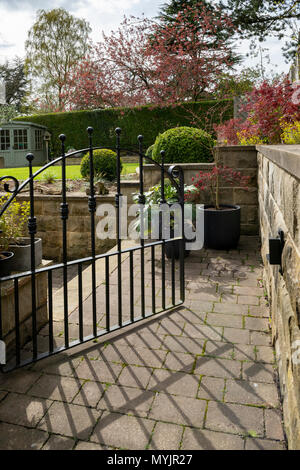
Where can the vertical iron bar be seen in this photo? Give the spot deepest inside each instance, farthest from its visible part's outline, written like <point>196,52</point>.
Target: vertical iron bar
<point>142,231</point>
<point>64,213</point>
<point>50,306</point>
<point>182,243</point>
<point>131,274</point>
<point>107,293</point>
<point>92,210</point>
<point>80,313</point>
<point>118,204</point>
<point>1,328</point>
<point>32,232</point>
<point>17,321</point>
<point>173,272</point>
<point>153,276</point>
<point>163,247</point>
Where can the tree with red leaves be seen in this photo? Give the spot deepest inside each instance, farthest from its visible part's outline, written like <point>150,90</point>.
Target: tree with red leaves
<point>147,62</point>
<point>269,106</point>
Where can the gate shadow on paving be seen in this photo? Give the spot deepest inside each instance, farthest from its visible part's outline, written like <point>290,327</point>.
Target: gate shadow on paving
<point>201,376</point>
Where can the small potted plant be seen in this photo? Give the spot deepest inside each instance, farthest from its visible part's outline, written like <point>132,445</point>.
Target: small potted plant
<point>12,229</point>
<point>152,199</point>
<point>221,221</point>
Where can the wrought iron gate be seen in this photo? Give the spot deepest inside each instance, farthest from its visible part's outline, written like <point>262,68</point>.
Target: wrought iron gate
<point>21,354</point>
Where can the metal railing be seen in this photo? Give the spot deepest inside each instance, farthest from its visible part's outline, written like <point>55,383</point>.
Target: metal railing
<point>175,175</point>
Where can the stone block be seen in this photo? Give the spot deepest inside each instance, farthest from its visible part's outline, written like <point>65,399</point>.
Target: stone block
<point>241,196</point>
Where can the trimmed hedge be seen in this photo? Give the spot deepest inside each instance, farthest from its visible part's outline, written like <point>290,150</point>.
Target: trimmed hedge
<point>105,164</point>
<point>184,145</point>
<point>146,120</point>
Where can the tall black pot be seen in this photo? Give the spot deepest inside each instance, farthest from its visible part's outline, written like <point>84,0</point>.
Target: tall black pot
<point>174,247</point>
<point>5,263</point>
<point>221,227</point>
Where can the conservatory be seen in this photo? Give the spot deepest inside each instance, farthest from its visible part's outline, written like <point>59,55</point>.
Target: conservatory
<point>19,138</point>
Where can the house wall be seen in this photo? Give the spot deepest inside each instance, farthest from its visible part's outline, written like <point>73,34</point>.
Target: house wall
<point>279,208</point>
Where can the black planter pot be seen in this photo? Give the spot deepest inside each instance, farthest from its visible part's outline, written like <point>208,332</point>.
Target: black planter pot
<point>174,247</point>
<point>5,263</point>
<point>221,227</point>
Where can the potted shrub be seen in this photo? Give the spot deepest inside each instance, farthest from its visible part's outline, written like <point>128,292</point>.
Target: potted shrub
<point>12,239</point>
<point>152,198</point>
<point>221,221</point>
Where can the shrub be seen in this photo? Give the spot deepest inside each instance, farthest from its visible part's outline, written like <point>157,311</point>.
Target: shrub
<point>13,222</point>
<point>267,107</point>
<point>105,164</point>
<point>149,151</point>
<point>291,133</point>
<point>184,145</point>
<point>48,177</point>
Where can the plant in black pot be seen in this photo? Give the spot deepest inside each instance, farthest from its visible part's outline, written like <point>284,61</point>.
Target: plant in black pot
<point>221,221</point>
<point>13,224</point>
<point>152,204</point>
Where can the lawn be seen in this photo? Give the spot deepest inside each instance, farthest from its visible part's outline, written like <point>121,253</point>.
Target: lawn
<point>72,171</point>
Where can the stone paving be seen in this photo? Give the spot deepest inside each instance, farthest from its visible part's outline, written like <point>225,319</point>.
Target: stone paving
<point>201,376</point>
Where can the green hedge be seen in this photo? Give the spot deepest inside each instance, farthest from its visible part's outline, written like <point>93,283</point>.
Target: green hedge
<point>146,120</point>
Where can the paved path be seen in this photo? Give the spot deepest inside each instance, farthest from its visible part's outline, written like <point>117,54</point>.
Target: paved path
<point>202,376</point>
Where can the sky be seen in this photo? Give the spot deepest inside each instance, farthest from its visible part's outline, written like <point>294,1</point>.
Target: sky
<point>17,16</point>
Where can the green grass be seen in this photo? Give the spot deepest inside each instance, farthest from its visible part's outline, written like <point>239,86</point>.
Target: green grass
<point>72,171</point>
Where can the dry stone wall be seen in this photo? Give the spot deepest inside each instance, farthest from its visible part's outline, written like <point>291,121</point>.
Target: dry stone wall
<point>279,208</point>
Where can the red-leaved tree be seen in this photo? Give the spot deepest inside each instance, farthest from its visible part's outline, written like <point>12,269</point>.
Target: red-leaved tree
<point>268,105</point>
<point>146,62</point>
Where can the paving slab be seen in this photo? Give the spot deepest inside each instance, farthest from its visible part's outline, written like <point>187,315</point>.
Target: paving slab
<point>200,376</point>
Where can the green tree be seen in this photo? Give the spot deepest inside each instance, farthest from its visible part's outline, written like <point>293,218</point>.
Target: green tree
<point>169,12</point>
<point>55,43</point>
<point>7,112</point>
<point>16,83</point>
<point>253,19</point>
<point>231,85</point>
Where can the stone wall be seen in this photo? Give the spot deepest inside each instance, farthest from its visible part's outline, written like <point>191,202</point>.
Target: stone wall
<point>241,158</point>
<point>25,307</point>
<point>279,208</point>
<point>47,207</point>
<point>49,225</point>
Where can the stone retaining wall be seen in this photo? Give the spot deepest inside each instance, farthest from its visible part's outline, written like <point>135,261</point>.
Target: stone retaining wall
<point>47,207</point>
<point>25,307</point>
<point>279,208</point>
<point>49,225</point>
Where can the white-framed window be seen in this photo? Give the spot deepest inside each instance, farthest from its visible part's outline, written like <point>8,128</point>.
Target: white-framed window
<point>20,139</point>
<point>4,139</point>
<point>38,139</point>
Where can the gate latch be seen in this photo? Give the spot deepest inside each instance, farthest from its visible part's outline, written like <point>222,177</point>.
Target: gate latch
<point>276,246</point>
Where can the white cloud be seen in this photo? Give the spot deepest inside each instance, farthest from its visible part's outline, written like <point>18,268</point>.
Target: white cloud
<point>17,16</point>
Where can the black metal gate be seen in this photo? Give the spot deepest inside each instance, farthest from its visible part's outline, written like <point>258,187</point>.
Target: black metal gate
<point>21,354</point>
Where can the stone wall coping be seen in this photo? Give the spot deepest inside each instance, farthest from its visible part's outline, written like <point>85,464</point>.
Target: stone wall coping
<point>185,166</point>
<point>70,197</point>
<point>236,148</point>
<point>286,157</point>
<point>8,286</point>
